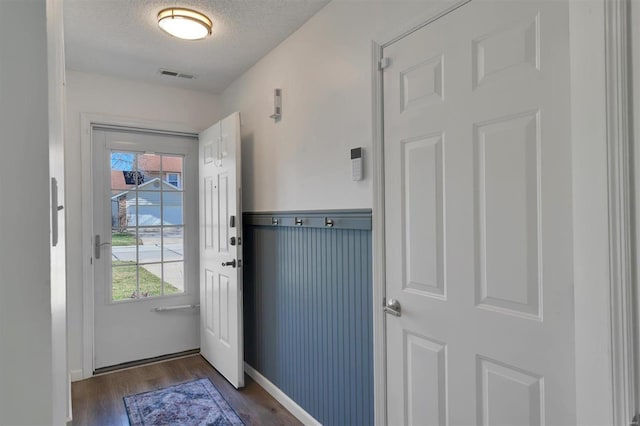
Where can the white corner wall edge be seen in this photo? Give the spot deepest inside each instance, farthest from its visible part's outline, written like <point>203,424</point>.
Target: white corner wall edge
<point>288,403</point>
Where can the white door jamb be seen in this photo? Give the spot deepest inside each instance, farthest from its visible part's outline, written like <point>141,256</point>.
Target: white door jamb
<point>379,333</point>
<point>623,330</point>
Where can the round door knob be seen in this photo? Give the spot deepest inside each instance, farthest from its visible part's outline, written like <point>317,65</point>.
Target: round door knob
<point>393,307</point>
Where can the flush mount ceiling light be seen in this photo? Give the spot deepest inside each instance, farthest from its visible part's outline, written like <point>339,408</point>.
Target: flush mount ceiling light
<point>184,23</point>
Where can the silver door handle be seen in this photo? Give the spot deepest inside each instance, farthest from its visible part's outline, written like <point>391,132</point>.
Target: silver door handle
<point>55,208</point>
<point>175,308</point>
<point>393,307</point>
<point>231,263</point>
<point>97,246</point>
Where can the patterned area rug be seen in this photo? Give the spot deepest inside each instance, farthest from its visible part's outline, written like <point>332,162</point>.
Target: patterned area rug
<point>188,404</point>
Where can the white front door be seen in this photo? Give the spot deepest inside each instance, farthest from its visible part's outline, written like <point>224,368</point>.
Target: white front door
<point>221,249</point>
<point>145,245</point>
<point>478,218</point>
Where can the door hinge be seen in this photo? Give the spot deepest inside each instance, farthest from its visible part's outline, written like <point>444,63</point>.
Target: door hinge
<point>384,63</point>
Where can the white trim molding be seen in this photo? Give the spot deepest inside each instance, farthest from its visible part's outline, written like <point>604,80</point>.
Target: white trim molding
<point>288,403</point>
<point>434,11</point>
<point>377,237</point>
<point>87,122</point>
<point>75,375</point>
<point>623,330</point>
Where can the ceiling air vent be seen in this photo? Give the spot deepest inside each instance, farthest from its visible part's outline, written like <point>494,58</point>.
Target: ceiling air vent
<point>171,73</point>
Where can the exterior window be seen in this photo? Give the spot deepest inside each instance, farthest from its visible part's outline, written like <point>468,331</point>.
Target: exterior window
<point>174,179</point>
<point>147,226</point>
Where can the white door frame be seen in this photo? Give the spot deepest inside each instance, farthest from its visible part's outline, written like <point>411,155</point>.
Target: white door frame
<point>87,122</point>
<point>602,229</point>
<point>59,300</point>
<point>623,328</point>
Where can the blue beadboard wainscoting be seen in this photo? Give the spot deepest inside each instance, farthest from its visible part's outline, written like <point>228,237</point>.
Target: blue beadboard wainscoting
<point>308,309</point>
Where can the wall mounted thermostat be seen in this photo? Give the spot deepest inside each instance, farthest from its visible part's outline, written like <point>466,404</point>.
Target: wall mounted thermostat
<point>356,164</point>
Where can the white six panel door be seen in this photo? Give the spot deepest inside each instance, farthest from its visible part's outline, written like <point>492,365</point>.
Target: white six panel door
<point>220,243</point>
<point>478,218</point>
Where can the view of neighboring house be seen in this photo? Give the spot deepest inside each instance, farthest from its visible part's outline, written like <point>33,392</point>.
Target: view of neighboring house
<point>158,198</point>
<point>149,166</point>
<point>148,206</point>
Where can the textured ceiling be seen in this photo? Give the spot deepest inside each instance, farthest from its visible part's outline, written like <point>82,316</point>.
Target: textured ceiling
<point>122,38</point>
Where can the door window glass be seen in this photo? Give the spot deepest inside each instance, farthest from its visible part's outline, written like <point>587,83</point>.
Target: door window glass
<point>147,225</point>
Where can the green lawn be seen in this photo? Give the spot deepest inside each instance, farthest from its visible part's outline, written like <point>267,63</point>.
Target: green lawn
<point>124,239</point>
<point>124,282</point>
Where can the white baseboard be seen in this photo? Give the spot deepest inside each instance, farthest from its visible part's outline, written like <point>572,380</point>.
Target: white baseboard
<point>281,397</point>
<point>76,375</point>
<point>69,407</point>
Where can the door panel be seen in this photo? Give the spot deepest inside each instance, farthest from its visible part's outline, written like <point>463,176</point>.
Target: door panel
<point>426,375</point>
<point>147,257</point>
<point>422,190</point>
<point>478,218</point>
<point>507,169</point>
<point>220,245</point>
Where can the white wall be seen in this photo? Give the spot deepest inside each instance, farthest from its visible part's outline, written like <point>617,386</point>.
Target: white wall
<point>324,71</point>
<point>88,93</point>
<point>25,303</point>
<point>60,381</point>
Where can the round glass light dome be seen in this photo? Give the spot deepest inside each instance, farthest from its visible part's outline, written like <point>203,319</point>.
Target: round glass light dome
<point>183,23</point>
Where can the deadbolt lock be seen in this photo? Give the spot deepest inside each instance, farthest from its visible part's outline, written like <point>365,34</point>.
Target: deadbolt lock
<point>230,263</point>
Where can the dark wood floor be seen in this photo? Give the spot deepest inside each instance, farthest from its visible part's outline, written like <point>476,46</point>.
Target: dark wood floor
<point>98,400</point>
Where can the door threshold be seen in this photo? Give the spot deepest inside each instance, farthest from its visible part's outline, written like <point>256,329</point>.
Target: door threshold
<point>146,361</point>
